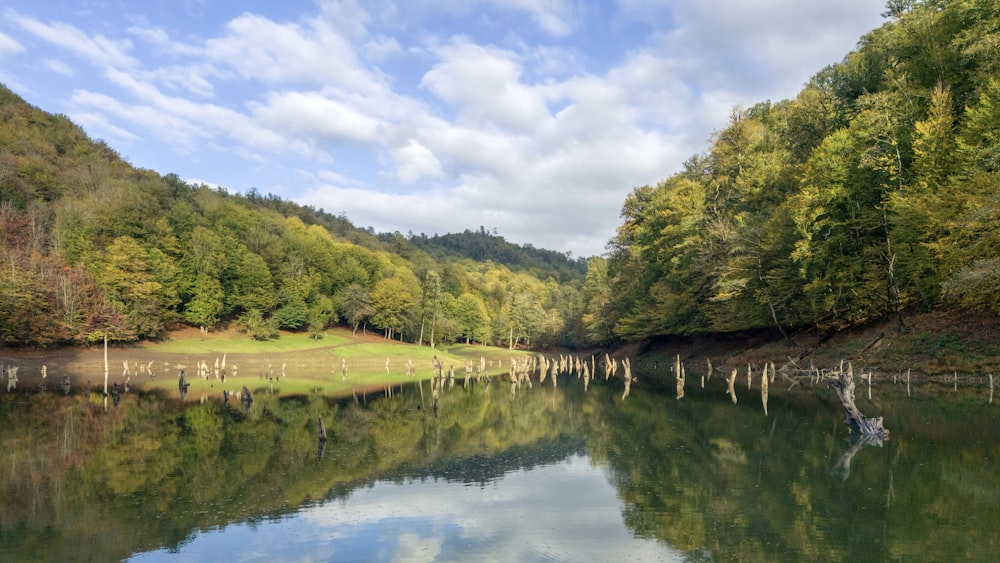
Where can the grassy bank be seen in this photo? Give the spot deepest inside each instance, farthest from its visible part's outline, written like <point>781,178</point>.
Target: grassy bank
<point>300,364</point>
<point>291,364</point>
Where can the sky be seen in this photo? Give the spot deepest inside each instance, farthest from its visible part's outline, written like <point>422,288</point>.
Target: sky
<point>568,511</point>
<point>531,118</point>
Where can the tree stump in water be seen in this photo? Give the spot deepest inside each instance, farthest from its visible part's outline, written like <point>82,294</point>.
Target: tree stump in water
<point>321,428</point>
<point>844,386</point>
<point>246,399</point>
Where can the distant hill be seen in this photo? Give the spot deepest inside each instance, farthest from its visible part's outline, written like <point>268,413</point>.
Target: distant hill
<point>482,245</point>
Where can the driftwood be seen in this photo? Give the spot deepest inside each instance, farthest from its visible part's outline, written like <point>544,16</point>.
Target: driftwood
<point>843,384</point>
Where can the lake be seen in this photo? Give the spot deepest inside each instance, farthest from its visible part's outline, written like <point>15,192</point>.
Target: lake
<point>503,472</point>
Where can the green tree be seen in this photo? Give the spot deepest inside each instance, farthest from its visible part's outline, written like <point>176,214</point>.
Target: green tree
<point>391,303</point>
<point>430,304</point>
<point>292,312</point>
<point>125,276</point>
<point>252,286</point>
<point>473,318</point>
<point>205,303</point>
<point>356,304</point>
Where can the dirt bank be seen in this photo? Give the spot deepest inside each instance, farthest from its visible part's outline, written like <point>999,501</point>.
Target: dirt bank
<point>929,344</point>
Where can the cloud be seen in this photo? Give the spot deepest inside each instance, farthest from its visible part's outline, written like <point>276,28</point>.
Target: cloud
<point>310,53</point>
<point>58,67</point>
<point>415,161</point>
<point>98,123</point>
<point>316,118</point>
<point>769,48</point>
<point>452,521</point>
<point>553,16</point>
<point>8,46</point>
<point>483,85</point>
<point>99,50</point>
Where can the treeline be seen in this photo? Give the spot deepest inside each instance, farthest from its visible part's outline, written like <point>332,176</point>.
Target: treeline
<point>872,193</point>
<point>91,246</point>
<point>483,245</point>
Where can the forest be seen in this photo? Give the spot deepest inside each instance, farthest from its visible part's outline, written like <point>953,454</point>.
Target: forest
<point>870,195</point>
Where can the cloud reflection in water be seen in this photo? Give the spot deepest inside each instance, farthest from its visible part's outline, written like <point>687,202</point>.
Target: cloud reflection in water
<point>565,511</point>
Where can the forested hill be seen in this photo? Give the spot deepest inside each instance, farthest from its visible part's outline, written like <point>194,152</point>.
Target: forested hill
<point>482,245</point>
<point>91,246</point>
<point>872,193</point>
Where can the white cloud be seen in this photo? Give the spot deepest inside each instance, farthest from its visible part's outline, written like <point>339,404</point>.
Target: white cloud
<point>58,67</point>
<point>8,46</point>
<point>553,16</point>
<point>154,35</point>
<point>512,518</point>
<point>97,49</point>
<point>315,117</point>
<point>484,86</point>
<point>313,53</point>
<point>769,47</point>
<point>98,125</point>
<point>415,161</point>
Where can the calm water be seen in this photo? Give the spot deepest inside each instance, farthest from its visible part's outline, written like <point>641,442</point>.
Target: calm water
<point>537,474</point>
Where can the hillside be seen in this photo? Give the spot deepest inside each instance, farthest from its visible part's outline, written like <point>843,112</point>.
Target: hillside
<point>92,246</point>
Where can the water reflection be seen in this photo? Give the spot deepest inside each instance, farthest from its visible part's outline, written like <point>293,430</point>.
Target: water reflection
<point>543,473</point>
<point>563,511</point>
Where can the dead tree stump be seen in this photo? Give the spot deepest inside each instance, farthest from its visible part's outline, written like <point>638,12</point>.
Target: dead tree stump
<point>321,428</point>
<point>843,384</point>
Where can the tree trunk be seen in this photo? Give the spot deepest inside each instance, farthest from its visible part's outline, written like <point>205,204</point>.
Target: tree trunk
<point>844,386</point>
<point>433,323</point>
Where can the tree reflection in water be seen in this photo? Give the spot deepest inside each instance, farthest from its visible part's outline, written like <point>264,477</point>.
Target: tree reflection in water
<point>704,477</point>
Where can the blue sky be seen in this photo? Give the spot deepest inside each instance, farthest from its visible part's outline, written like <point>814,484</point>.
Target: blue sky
<point>533,117</point>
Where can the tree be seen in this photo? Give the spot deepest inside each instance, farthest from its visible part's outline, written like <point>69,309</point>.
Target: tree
<point>205,303</point>
<point>292,312</point>
<point>356,304</point>
<point>201,265</point>
<point>255,325</point>
<point>252,287</point>
<point>320,313</point>
<point>125,276</point>
<point>430,304</point>
<point>597,295</point>
<point>391,303</point>
<point>522,317</point>
<point>473,318</point>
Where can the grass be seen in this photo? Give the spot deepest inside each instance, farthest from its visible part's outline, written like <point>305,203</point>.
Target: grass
<point>234,343</point>
<point>313,366</point>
